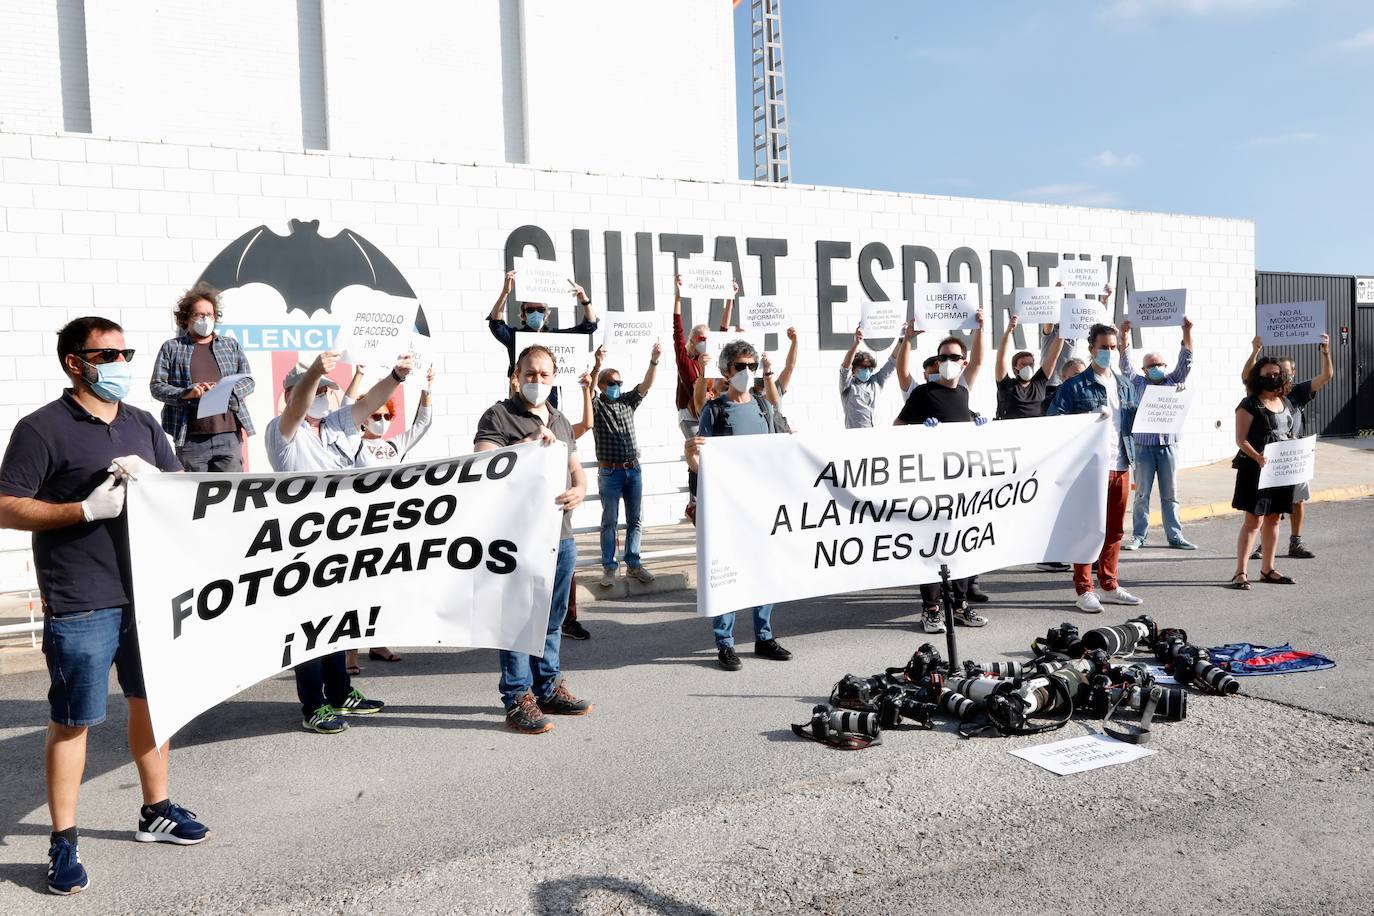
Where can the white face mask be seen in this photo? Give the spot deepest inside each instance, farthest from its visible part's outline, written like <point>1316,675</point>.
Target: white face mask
<point>701,346</point>
<point>741,380</point>
<point>376,427</point>
<point>203,326</point>
<point>319,408</point>
<point>950,370</point>
<point>536,392</point>
<point>1025,373</point>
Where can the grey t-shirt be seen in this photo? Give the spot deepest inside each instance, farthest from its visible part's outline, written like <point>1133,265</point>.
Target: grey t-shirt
<point>335,447</point>
<point>510,421</point>
<point>744,419</point>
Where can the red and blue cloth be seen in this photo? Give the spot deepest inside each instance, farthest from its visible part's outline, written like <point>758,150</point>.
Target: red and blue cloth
<point>1242,659</point>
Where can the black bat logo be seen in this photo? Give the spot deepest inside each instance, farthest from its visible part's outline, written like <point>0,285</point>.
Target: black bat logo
<point>306,268</point>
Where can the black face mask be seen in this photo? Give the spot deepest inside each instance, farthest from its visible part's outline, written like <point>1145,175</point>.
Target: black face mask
<point>1271,382</point>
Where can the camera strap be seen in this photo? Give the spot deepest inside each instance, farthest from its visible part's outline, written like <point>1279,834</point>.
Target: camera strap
<point>1128,732</point>
<point>846,741</point>
<point>1011,722</point>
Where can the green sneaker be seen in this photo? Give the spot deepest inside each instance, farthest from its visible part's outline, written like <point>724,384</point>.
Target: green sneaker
<point>355,704</point>
<point>324,721</point>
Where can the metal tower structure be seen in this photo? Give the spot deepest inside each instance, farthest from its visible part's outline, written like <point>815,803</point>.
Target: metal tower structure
<point>772,155</point>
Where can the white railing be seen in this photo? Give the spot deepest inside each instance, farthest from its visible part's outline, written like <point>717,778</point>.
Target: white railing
<point>17,577</point>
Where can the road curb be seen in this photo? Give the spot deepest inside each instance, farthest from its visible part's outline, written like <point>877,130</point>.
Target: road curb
<point>1219,510</point>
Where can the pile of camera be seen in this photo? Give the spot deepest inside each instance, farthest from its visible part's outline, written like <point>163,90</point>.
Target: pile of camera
<point>1068,673</point>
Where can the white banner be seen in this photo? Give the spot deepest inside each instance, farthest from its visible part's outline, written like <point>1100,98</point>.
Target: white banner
<point>945,306</point>
<point>290,567</point>
<point>1038,304</point>
<point>1282,323</point>
<point>1083,278</point>
<point>1163,409</point>
<point>1158,308</point>
<point>764,314</point>
<point>882,319</point>
<point>1287,463</point>
<point>716,341</point>
<point>1077,316</point>
<point>707,279</point>
<point>537,280</point>
<point>374,328</point>
<point>781,517</point>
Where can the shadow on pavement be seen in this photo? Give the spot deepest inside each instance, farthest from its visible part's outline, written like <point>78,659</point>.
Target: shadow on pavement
<point>557,898</point>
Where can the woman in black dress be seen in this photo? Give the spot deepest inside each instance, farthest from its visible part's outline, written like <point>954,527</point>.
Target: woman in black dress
<point>1263,417</point>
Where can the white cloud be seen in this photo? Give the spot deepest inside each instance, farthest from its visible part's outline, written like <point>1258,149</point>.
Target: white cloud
<point>1358,41</point>
<point>1297,136</point>
<point>1132,10</point>
<point>1110,160</point>
<point>1077,194</point>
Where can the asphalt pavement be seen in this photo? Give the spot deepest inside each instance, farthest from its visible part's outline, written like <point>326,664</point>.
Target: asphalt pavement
<point>685,792</point>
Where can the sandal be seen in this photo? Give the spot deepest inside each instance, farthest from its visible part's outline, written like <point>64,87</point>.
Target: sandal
<point>377,656</point>
<point>1274,577</point>
<point>1242,585</point>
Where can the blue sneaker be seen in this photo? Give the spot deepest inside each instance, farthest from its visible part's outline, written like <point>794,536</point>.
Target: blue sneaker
<point>175,825</point>
<point>66,874</point>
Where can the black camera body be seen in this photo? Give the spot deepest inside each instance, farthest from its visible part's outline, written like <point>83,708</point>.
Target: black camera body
<point>1192,665</point>
<point>901,704</point>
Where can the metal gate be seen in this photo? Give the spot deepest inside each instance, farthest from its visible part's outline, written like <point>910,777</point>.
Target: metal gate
<point>1363,335</point>
<point>1334,411</point>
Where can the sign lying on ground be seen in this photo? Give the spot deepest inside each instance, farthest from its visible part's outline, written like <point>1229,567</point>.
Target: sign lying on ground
<point>1078,755</point>
<point>455,552</point>
<point>782,517</point>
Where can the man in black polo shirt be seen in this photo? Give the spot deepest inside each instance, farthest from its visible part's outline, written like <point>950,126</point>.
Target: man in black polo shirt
<point>532,688</point>
<point>534,316</point>
<point>617,458</point>
<point>1020,386</point>
<point>944,401</point>
<point>63,478</point>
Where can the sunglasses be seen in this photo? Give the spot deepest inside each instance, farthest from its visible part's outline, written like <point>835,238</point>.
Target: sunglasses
<point>948,358</point>
<point>106,354</point>
<point>534,308</point>
<point>382,416</point>
<point>740,367</point>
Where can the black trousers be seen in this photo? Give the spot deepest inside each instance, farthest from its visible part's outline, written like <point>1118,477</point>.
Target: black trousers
<point>930,593</point>
<point>322,680</point>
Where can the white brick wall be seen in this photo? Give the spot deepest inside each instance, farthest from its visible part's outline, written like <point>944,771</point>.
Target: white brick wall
<point>93,225</point>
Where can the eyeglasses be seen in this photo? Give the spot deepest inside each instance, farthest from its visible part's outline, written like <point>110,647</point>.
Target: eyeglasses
<point>381,416</point>
<point>107,354</point>
<point>1156,365</point>
<point>740,367</point>
<point>949,358</point>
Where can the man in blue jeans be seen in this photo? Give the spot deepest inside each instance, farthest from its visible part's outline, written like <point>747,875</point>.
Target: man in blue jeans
<point>618,475</point>
<point>63,478</point>
<point>1155,457</point>
<point>738,412</point>
<point>532,688</point>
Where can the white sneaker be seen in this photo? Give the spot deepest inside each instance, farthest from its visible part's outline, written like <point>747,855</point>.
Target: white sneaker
<point>1132,543</point>
<point>1088,603</point>
<point>932,623</point>
<point>607,577</point>
<point>1119,595</point>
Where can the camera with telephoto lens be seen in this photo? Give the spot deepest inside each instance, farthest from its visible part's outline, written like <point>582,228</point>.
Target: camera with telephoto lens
<point>1121,639</point>
<point>1133,688</point>
<point>854,692</point>
<point>840,727</point>
<point>1191,665</point>
<point>904,703</point>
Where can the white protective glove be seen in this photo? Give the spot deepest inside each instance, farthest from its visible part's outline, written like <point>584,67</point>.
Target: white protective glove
<point>1102,410</point>
<point>105,501</point>
<point>132,466</point>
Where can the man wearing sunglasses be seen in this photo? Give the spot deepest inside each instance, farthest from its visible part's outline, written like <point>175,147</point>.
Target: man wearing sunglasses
<point>63,478</point>
<point>310,435</point>
<point>187,367</point>
<point>944,399</point>
<point>534,316</point>
<point>738,412</point>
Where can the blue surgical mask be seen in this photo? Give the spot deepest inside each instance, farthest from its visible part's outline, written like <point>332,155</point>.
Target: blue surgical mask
<point>864,374</point>
<point>1103,358</point>
<point>113,380</point>
<point>1155,373</point>
<point>612,392</point>
<point>534,320</point>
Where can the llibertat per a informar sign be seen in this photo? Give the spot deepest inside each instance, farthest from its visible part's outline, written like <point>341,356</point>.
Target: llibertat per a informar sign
<point>785,517</point>
<point>240,576</point>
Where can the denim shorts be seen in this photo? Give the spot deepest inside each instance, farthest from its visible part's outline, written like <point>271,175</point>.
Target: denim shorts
<point>80,648</point>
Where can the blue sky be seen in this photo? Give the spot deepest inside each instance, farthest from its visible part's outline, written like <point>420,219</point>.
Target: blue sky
<point>1262,109</point>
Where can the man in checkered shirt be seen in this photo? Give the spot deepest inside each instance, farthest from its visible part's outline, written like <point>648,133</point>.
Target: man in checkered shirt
<point>618,472</point>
